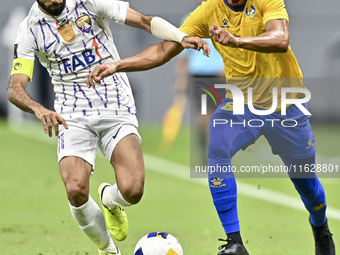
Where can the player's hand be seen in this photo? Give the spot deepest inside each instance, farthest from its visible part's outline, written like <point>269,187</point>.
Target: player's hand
<point>48,119</point>
<point>197,44</point>
<point>222,36</point>
<point>99,72</point>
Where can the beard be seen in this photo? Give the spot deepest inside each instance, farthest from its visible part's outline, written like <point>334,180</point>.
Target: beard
<point>49,10</point>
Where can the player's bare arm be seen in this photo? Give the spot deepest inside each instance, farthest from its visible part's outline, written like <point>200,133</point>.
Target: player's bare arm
<point>275,39</point>
<point>151,57</point>
<point>19,97</point>
<point>162,29</point>
<point>138,20</point>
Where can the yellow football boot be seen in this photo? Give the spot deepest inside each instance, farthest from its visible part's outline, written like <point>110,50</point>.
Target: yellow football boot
<point>116,218</point>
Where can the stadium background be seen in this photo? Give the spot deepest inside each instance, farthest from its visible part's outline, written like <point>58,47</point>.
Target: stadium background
<point>314,38</point>
<point>34,215</point>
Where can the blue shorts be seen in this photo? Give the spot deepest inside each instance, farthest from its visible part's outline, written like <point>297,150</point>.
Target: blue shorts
<point>290,135</point>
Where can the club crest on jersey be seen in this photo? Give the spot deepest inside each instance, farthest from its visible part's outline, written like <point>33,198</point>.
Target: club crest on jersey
<point>250,10</point>
<point>67,33</point>
<point>84,23</point>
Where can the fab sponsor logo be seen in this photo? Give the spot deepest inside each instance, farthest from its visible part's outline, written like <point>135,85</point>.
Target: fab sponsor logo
<point>85,58</point>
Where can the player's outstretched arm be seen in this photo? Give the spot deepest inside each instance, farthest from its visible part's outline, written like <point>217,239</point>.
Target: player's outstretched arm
<point>18,96</point>
<point>275,39</point>
<point>149,58</point>
<point>160,28</point>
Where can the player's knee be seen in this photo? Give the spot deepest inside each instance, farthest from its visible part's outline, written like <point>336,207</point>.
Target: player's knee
<point>133,193</point>
<point>215,151</point>
<point>133,196</point>
<point>218,145</point>
<point>77,194</point>
<point>132,188</point>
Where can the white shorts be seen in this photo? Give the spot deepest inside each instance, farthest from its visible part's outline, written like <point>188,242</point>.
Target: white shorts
<point>86,134</point>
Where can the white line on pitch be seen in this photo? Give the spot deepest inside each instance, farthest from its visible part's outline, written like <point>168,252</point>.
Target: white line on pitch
<point>180,171</point>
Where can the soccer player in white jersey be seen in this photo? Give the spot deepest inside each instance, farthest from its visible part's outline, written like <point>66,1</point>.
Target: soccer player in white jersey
<point>71,37</point>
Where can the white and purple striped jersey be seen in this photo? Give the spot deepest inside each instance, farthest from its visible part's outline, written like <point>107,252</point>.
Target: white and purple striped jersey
<point>69,46</point>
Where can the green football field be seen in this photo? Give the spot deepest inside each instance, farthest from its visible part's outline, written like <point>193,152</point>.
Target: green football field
<point>35,217</point>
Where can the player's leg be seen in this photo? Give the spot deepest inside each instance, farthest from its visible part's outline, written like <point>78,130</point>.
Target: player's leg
<point>296,147</point>
<point>121,145</point>
<point>313,196</point>
<point>309,187</point>
<point>225,141</point>
<point>127,161</point>
<point>75,172</point>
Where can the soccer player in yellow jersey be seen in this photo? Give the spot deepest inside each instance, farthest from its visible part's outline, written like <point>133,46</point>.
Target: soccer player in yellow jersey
<point>252,36</point>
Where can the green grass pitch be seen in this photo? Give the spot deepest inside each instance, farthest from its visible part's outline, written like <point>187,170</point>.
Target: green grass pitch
<point>35,217</point>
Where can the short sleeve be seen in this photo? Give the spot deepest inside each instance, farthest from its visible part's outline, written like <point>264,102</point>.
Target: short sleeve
<point>112,9</point>
<point>195,25</point>
<point>24,49</point>
<point>25,45</point>
<point>274,9</point>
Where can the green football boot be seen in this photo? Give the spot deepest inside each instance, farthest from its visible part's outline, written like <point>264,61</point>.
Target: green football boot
<point>116,219</point>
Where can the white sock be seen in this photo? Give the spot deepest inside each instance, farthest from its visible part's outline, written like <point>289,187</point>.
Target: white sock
<point>112,197</point>
<point>109,248</point>
<point>92,222</point>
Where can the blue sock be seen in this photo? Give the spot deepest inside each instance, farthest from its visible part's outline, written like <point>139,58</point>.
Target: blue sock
<point>224,193</point>
<point>224,142</point>
<point>310,189</point>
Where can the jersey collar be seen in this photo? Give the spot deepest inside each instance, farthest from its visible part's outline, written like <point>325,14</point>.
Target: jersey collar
<point>235,8</point>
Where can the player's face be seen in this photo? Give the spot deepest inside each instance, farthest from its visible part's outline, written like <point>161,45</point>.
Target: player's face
<point>52,7</point>
<point>236,2</point>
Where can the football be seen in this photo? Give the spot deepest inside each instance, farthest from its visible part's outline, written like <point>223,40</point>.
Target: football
<point>158,243</point>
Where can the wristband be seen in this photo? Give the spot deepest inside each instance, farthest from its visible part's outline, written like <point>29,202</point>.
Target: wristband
<point>166,31</point>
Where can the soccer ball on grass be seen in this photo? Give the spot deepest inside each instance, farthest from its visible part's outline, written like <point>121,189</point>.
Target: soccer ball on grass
<point>158,243</point>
